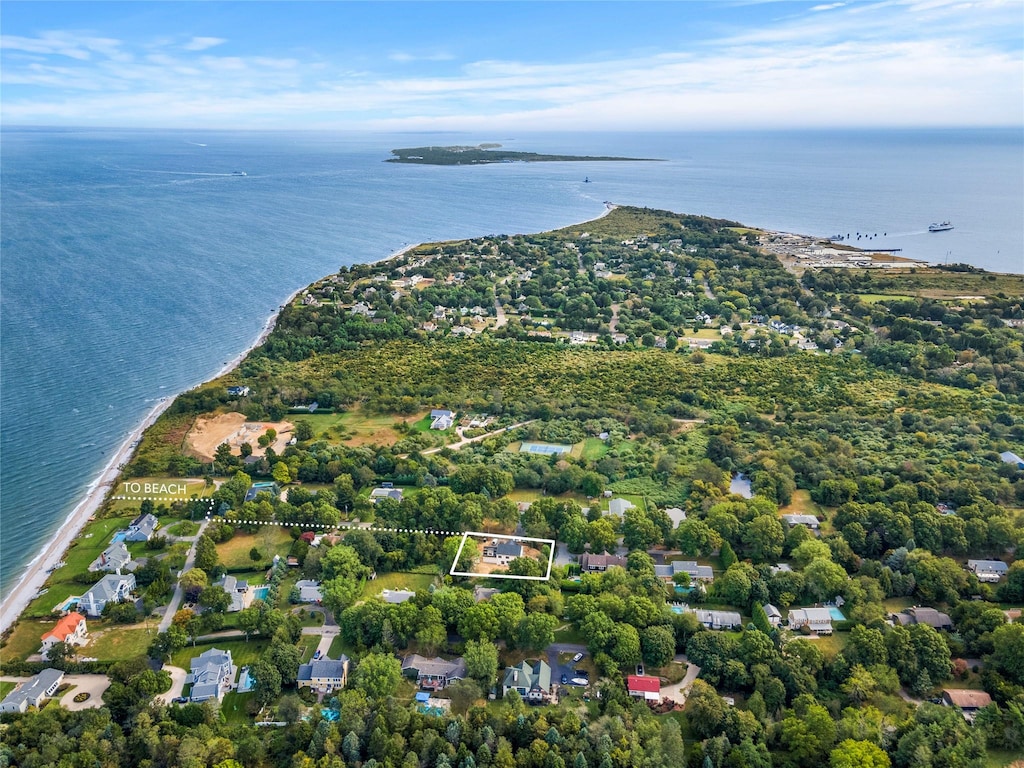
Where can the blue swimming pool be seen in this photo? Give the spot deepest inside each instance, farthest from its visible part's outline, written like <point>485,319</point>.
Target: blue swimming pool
<point>119,536</point>
<point>836,614</point>
<point>260,593</point>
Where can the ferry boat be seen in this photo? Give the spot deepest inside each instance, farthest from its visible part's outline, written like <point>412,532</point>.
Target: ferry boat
<point>943,227</point>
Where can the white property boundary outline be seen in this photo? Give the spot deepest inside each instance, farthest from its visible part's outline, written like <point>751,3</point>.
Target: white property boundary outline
<point>465,536</point>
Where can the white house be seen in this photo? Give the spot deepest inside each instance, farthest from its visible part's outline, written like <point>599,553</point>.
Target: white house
<point>71,629</point>
<point>441,418</point>
<point>988,570</point>
<point>212,675</point>
<point>818,619</point>
<point>142,528</point>
<point>774,614</point>
<point>114,558</point>
<point>809,520</point>
<point>309,591</point>
<point>718,619</point>
<point>112,588</point>
<point>502,552</point>
<point>32,692</point>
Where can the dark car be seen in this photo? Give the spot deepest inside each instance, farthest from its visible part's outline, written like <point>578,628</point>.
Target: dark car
<point>179,700</point>
<point>564,680</point>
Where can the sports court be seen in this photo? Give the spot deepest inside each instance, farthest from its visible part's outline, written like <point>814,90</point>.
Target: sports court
<point>544,449</point>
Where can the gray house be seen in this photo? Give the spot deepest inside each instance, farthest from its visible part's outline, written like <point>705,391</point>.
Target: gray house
<point>142,528</point>
<point>212,675</point>
<point>532,681</point>
<point>32,692</point>
<point>988,570</point>
<point>112,588</point>
<point>114,558</point>
<point>434,674</point>
<point>696,572</point>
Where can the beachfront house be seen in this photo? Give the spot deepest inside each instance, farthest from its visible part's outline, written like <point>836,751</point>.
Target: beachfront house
<point>531,681</point>
<point>501,552</point>
<point>988,570</point>
<point>112,588</point>
<point>696,572</point>
<point>441,418</point>
<point>818,620</point>
<point>142,528</point>
<point>32,692</point>
<point>433,674</point>
<point>212,675</point>
<point>70,629</point>
<point>114,558</point>
<point>324,675</point>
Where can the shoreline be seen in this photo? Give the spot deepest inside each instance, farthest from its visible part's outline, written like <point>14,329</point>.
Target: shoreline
<point>37,570</point>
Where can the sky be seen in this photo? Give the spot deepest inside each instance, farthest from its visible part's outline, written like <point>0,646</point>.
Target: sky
<point>728,64</point>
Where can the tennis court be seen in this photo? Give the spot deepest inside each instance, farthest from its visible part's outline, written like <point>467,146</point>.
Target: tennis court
<point>544,449</point>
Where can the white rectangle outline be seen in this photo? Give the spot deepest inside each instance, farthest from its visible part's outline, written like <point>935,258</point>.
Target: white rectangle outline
<point>467,534</point>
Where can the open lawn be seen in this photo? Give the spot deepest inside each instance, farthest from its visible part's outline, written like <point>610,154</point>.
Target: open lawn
<point>234,708</point>
<point>356,428</point>
<point>6,688</point>
<point>25,639</point>
<point>592,449</point>
<point>338,647</point>
<point>308,644</point>
<point>114,643</point>
<point>184,528</point>
<point>270,540</point>
<point>415,581</point>
<point>242,653</point>
<point>163,491</point>
<point>832,644</point>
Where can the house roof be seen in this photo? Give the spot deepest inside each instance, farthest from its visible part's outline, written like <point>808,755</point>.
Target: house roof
<point>772,611</point>
<point>146,523</point>
<point>720,618</point>
<point>397,595</point>
<point>992,566</point>
<point>602,561</point>
<point>619,506</point>
<point>810,520</point>
<point>689,566</point>
<point>66,626</point>
<point>967,699</point>
<point>643,683</point>
<point>439,412</point>
<point>527,676</point>
<point>811,614</point>
<point>922,615</point>
<point>107,587</point>
<point>33,689</point>
<point>435,667</point>
<point>323,668</point>
<point>508,548</point>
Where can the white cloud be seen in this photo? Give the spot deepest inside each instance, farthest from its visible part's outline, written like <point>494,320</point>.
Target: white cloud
<point>202,43</point>
<point>827,7</point>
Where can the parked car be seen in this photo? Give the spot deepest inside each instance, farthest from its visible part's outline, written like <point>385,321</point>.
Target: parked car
<point>316,655</point>
<point>639,669</point>
<point>578,657</point>
<point>564,680</point>
<point>179,700</point>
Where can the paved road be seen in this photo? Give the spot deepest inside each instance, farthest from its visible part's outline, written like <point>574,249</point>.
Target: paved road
<point>468,440</point>
<point>177,685</point>
<point>558,669</point>
<point>499,314</point>
<point>179,593</point>
<point>678,691</point>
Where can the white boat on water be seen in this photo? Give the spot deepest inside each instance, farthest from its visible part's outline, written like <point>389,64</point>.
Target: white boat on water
<point>944,226</point>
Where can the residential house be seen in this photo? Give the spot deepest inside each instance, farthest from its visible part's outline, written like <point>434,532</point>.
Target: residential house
<point>696,572</point>
<point>1009,457</point>
<point>781,568</point>
<point>502,552</point>
<point>309,591</point>
<point>114,558</point>
<point>919,615</point>
<point>112,588</point>
<point>32,692</point>
<point>142,528</point>
<point>385,493</point>
<point>212,675</point>
<point>480,594</point>
<point>434,674</point>
<point>70,629</point>
<point>441,418</point>
<point>969,702</point>
<point>264,487</point>
<point>644,687</point>
<point>236,589</point>
<point>774,614</point>
<point>531,681</point>
<point>718,619</point>
<point>809,520</point>
<point>988,570</point>
<point>600,563</point>
<point>818,619</point>
<point>618,507</point>
<point>395,596</point>
<point>324,675</point>
<point>238,391</point>
<point>676,515</point>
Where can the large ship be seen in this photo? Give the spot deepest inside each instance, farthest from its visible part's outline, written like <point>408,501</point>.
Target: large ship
<point>940,227</point>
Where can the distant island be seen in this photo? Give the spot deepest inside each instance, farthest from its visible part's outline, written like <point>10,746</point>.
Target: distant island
<point>487,153</point>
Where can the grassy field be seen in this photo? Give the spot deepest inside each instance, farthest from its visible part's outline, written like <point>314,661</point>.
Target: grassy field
<point>270,540</point>
<point>118,642</point>
<point>357,428</point>
<point>6,688</point>
<point>308,644</point>
<point>234,708</point>
<point>592,449</point>
<point>413,581</point>
<point>158,491</point>
<point>832,644</point>
<point>184,528</point>
<point>242,653</point>
<point>26,638</point>
<point>874,298</point>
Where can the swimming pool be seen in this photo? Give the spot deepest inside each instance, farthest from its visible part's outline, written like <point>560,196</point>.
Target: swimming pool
<point>119,536</point>
<point>260,593</point>
<point>836,614</point>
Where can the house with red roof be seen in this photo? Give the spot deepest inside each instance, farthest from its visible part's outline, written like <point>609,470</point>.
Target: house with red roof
<point>71,629</point>
<point>644,687</point>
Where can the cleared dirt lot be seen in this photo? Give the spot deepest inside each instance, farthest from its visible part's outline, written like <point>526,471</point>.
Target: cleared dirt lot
<point>233,429</point>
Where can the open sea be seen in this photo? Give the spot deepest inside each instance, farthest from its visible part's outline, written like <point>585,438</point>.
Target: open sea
<point>134,264</point>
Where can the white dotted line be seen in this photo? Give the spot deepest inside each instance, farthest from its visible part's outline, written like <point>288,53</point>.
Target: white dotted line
<point>211,502</point>
<point>344,527</point>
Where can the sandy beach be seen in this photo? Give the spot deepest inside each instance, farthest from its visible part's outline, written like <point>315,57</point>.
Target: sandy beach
<point>35,574</point>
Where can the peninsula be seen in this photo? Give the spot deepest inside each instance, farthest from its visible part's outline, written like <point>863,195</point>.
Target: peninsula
<point>652,489</point>
<point>488,153</point>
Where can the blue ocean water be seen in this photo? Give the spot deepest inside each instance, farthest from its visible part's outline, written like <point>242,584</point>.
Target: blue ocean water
<point>134,264</point>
